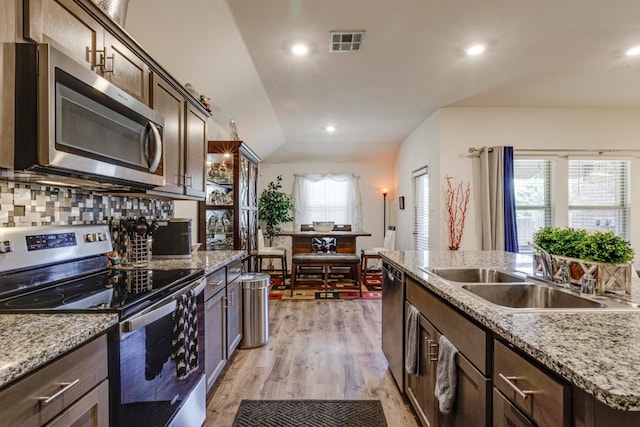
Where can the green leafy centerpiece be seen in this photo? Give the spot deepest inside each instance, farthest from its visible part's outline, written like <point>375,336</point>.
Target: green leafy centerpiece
<point>274,208</point>
<point>601,255</point>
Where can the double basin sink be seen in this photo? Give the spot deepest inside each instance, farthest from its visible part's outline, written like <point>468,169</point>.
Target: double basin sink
<point>516,292</point>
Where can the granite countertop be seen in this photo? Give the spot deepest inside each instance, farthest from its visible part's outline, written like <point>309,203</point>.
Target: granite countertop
<point>31,340</point>
<point>599,352</point>
<point>210,261</point>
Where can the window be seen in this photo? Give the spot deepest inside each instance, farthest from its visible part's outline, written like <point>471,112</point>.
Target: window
<point>327,197</point>
<point>532,187</point>
<point>595,196</point>
<point>599,195</point>
<point>421,209</point>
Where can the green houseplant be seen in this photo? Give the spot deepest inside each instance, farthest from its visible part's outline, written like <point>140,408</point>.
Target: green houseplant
<point>274,208</point>
<point>598,246</point>
<point>601,255</point>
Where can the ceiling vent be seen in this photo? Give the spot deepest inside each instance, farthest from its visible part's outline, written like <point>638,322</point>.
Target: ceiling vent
<point>345,41</point>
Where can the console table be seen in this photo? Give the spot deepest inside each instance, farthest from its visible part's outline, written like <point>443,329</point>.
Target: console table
<point>345,240</point>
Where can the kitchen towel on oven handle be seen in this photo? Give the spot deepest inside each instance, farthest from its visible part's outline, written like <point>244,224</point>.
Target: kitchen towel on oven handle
<point>185,335</point>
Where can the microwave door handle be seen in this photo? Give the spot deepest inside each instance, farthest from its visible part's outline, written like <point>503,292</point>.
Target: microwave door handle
<point>158,145</point>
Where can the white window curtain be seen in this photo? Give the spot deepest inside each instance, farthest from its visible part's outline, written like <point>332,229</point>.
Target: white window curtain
<point>499,229</point>
<point>327,197</point>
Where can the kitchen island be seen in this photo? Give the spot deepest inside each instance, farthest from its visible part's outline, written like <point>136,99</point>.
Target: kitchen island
<point>596,352</point>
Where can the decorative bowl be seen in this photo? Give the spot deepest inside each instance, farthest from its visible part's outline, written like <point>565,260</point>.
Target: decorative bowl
<point>323,226</point>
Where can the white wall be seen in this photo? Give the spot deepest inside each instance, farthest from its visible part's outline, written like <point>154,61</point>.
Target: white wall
<point>522,128</point>
<point>421,148</point>
<point>372,178</point>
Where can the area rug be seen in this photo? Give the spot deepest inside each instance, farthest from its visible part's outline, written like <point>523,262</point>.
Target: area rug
<point>310,413</point>
<point>308,288</point>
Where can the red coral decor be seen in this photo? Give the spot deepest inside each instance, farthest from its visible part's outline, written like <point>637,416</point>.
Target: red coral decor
<point>458,196</point>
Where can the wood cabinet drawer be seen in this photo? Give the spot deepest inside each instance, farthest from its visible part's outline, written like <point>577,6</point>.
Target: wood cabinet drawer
<point>216,282</point>
<point>469,338</point>
<point>507,415</point>
<point>544,399</point>
<point>71,376</point>
<point>234,270</point>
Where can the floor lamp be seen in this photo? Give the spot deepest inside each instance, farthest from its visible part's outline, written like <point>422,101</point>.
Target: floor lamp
<point>384,210</point>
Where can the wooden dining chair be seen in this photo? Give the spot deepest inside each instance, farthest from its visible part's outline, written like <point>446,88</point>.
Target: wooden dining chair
<point>342,227</point>
<point>370,254</point>
<point>267,252</point>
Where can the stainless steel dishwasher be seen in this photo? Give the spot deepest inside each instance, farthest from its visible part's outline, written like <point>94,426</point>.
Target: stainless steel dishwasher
<point>393,294</point>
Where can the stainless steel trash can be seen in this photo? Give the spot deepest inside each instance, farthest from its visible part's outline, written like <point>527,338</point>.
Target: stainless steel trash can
<point>255,309</point>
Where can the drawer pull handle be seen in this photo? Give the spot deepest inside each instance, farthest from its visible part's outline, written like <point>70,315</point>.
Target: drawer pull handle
<point>65,387</point>
<point>216,283</point>
<point>509,380</point>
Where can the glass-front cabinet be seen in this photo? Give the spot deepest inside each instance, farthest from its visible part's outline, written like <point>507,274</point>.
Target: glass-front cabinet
<point>229,216</point>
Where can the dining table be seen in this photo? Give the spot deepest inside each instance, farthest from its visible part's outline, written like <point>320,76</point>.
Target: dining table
<point>345,240</point>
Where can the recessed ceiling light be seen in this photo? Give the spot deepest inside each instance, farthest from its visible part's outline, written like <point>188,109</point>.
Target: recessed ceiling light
<point>475,49</point>
<point>330,128</point>
<point>633,51</point>
<point>299,49</point>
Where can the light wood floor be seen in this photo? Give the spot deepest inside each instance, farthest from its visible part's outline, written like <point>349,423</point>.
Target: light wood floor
<point>317,350</point>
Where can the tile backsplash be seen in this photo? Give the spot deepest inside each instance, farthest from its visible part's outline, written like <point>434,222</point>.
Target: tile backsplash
<point>23,205</point>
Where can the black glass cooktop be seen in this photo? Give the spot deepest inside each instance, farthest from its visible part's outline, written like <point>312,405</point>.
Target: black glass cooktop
<point>109,290</point>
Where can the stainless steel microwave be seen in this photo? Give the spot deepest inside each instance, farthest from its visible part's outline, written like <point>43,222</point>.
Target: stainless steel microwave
<point>72,122</point>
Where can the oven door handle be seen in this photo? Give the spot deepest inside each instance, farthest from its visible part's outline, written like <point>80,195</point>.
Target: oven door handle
<point>148,318</point>
<point>158,313</point>
<point>202,283</point>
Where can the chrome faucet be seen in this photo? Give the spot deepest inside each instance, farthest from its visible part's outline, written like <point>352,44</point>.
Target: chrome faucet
<point>565,274</point>
<point>545,261</point>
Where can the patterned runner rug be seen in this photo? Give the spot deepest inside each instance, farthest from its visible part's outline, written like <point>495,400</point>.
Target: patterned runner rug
<point>310,413</point>
<point>309,288</point>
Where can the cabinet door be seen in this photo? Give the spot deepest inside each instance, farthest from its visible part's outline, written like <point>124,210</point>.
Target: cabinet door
<point>234,311</point>
<point>92,410</point>
<point>66,25</point>
<point>472,394</point>
<point>196,146</point>
<point>215,330</point>
<point>170,104</point>
<point>123,68</point>
<point>420,387</point>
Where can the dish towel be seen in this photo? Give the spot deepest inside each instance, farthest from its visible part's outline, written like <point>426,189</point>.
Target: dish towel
<point>411,341</point>
<point>185,335</point>
<point>446,375</point>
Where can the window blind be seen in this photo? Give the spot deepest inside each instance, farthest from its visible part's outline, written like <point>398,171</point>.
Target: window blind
<point>599,195</point>
<point>421,209</point>
<point>532,187</point>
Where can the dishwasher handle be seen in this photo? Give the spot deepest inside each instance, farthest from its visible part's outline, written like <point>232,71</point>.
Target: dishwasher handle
<point>392,273</point>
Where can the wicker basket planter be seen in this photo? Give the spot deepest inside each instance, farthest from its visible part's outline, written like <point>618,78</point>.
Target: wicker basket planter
<point>609,277</point>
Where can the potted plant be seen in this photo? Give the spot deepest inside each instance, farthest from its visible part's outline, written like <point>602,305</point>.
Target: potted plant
<point>274,208</point>
<point>599,254</point>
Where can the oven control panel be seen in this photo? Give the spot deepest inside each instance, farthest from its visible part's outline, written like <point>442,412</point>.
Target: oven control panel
<point>50,241</point>
<point>28,247</point>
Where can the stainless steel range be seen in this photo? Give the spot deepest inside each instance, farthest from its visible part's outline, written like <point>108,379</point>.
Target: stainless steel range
<point>156,354</point>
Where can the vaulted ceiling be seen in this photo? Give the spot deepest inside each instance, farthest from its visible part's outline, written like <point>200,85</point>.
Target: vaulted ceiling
<point>543,53</point>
